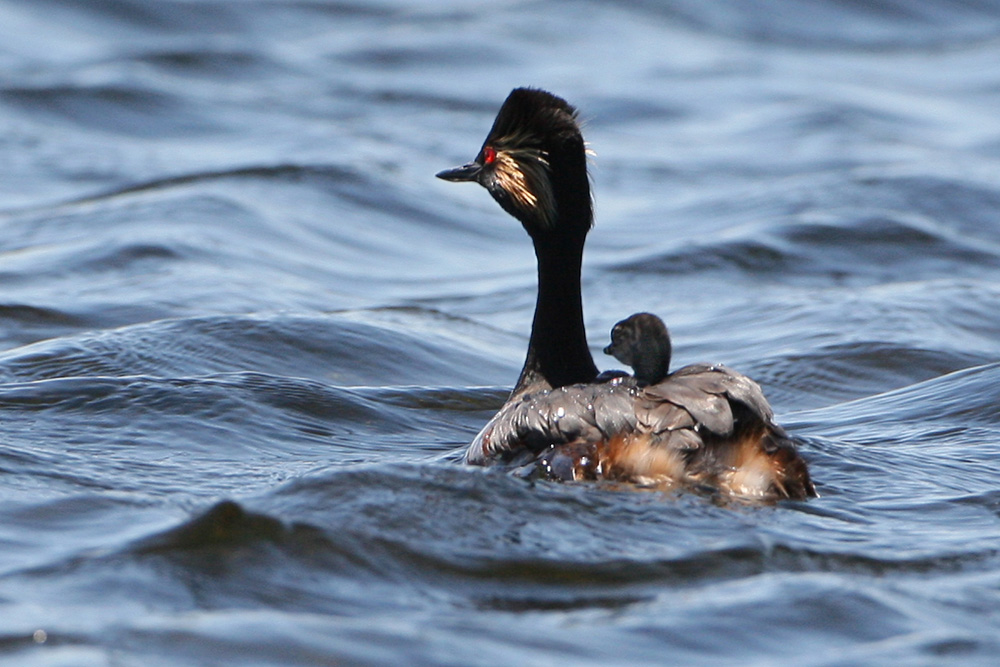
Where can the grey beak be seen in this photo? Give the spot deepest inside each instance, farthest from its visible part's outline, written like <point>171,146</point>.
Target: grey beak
<point>467,172</point>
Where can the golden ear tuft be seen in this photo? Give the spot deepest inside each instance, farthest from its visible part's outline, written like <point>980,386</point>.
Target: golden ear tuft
<point>524,174</point>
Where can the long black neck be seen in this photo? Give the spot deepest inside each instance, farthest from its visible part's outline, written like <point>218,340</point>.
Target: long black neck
<point>557,351</point>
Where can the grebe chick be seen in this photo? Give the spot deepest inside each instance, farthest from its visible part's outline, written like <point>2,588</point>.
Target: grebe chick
<point>642,341</point>
<point>703,425</point>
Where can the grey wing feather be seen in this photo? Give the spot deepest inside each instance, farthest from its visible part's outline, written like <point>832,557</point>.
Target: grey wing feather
<point>675,410</point>
<point>614,410</point>
<point>741,388</point>
<point>697,395</point>
<point>656,416</point>
<point>705,392</point>
<point>568,414</point>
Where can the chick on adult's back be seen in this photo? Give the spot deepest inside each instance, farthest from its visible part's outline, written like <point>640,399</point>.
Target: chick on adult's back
<point>704,425</point>
<point>642,341</point>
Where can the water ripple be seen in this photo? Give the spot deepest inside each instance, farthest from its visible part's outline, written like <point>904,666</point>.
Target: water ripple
<point>245,333</point>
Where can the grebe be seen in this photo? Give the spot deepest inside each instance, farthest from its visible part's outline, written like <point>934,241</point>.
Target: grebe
<point>642,341</point>
<point>702,426</point>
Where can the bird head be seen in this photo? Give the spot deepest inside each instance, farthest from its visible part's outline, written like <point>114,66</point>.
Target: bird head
<point>534,164</point>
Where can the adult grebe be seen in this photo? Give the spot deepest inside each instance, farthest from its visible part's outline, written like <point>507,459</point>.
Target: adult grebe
<point>703,425</point>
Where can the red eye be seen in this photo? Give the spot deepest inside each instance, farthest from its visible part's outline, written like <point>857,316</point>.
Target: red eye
<point>489,155</point>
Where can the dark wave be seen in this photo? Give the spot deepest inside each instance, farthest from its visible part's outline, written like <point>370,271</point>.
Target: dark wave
<point>349,509</point>
<point>838,24</point>
<point>112,109</point>
<point>24,323</point>
<point>224,525</point>
<point>836,373</point>
<point>168,16</point>
<point>400,527</point>
<point>222,64</point>
<point>937,458</point>
<point>294,173</point>
<point>963,397</point>
<point>872,250</point>
<point>338,348</point>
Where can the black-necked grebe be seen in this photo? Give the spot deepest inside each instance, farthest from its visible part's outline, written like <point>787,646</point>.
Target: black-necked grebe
<point>703,425</point>
<point>642,341</point>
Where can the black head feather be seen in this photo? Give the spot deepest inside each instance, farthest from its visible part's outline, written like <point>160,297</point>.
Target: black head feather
<point>534,164</point>
<point>532,118</point>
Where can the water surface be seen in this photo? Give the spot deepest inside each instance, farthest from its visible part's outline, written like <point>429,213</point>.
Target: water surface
<point>245,334</point>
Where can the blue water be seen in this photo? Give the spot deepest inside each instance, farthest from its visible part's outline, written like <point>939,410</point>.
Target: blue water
<point>245,333</point>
